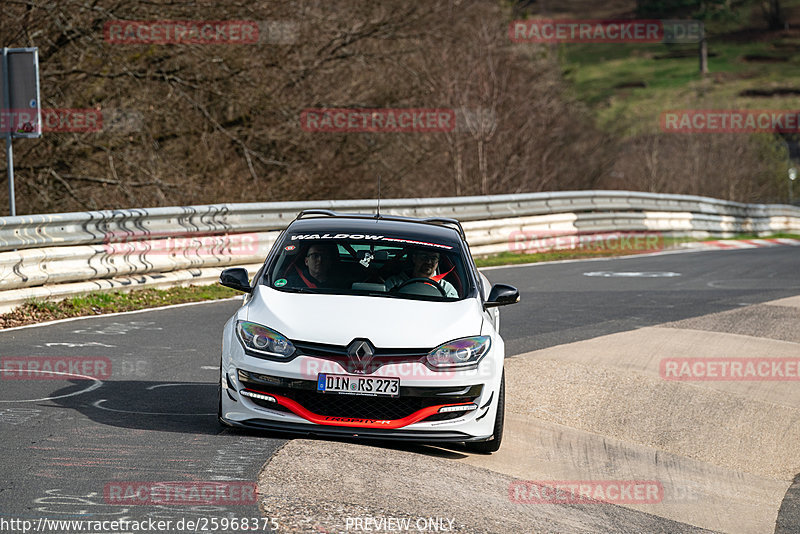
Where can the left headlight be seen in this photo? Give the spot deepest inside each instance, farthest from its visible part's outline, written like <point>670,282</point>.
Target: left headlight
<point>262,340</point>
<point>460,353</point>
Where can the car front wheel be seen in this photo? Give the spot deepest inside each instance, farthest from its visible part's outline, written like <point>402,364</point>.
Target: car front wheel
<point>493,444</point>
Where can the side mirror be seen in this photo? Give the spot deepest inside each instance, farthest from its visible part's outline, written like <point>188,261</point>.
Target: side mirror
<point>500,295</point>
<point>236,278</point>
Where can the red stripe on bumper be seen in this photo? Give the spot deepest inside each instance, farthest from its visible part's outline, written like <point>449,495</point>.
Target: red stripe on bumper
<point>329,420</point>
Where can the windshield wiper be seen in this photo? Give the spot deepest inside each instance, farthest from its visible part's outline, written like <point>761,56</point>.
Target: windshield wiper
<point>296,289</point>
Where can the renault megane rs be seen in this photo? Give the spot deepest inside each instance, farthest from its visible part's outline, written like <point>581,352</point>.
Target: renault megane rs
<point>367,325</point>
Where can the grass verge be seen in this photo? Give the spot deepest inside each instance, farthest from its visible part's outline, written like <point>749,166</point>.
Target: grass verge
<point>37,311</point>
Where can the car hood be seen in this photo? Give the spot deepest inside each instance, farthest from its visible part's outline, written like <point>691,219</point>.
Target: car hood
<point>386,322</point>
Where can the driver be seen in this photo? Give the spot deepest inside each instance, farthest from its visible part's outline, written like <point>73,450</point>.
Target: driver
<point>423,265</point>
<point>319,270</point>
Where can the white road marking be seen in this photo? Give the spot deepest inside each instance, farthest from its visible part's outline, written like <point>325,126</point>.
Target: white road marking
<point>632,274</point>
<point>17,416</point>
<point>119,329</point>
<point>174,384</point>
<point>97,404</point>
<point>76,345</point>
<point>97,384</point>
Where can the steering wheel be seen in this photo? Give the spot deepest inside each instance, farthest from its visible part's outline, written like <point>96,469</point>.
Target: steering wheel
<point>428,281</point>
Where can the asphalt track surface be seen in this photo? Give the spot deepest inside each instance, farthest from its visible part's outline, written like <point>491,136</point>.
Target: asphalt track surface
<point>561,304</point>
<point>153,419</point>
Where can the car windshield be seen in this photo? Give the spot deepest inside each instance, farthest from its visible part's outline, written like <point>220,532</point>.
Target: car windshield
<point>373,265</point>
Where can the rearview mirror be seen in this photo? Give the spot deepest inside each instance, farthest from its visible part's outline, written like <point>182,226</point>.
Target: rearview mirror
<point>236,278</point>
<point>500,295</point>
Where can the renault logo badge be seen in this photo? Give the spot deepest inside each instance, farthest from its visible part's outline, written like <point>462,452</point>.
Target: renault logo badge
<point>361,352</point>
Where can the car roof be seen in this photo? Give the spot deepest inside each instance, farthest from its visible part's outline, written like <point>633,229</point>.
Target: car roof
<point>407,228</point>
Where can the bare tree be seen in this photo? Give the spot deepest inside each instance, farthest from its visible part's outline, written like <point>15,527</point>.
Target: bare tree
<point>773,14</point>
<point>191,123</point>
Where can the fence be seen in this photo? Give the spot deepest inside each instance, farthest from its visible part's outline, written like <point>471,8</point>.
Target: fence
<point>56,255</point>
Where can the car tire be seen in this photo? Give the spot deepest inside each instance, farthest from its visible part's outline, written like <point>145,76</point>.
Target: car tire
<point>493,444</point>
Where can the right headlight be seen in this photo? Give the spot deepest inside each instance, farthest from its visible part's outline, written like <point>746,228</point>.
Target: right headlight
<point>259,339</point>
<point>464,352</point>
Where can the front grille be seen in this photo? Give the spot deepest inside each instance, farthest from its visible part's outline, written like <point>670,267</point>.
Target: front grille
<point>322,350</point>
<point>360,407</point>
<point>410,400</point>
<point>381,357</point>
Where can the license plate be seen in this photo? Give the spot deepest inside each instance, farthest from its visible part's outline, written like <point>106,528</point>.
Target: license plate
<point>358,385</point>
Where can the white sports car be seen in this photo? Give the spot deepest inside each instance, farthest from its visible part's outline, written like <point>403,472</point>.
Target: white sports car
<point>367,325</point>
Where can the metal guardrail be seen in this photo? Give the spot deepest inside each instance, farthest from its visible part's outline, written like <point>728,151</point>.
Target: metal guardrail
<point>60,254</point>
<point>98,227</point>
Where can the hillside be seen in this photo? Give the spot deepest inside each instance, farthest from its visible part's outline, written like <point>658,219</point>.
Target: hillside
<point>207,123</point>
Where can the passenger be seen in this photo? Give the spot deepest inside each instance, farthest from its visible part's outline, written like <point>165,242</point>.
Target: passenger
<point>319,270</point>
<point>424,264</point>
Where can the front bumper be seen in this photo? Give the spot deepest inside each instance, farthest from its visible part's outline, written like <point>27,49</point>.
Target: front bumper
<point>282,396</point>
